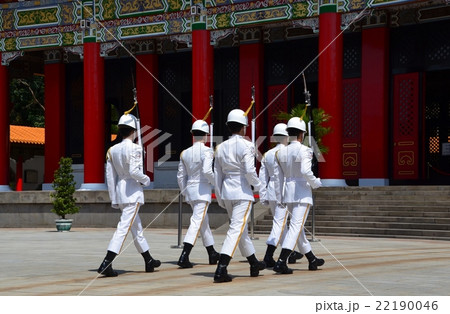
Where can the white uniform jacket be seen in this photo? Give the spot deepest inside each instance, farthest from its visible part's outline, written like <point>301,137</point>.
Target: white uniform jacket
<point>267,175</point>
<point>234,170</point>
<point>294,177</point>
<point>124,173</point>
<point>195,173</point>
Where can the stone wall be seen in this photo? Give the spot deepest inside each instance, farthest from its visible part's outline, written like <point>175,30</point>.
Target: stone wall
<point>29,209</point>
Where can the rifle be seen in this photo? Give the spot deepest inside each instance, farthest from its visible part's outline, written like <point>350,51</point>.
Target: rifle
<point>211,126</point>
<point>311,129</point>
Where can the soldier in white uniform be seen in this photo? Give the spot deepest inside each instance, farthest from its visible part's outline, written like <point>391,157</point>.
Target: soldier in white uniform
<point>125,178</point>
<point>279,212</point>
<point>195,178</point>
<point>293,182</point>
<point>235,174</point>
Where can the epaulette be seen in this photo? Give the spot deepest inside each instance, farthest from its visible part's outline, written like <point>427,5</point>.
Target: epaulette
<point>217,147</point>
<point>181,155</point>
<point>108,154</point>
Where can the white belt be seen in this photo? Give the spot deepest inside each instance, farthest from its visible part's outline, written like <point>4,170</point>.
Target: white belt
<point>295,179</point>
<point>197,181</point>
<point>230,175</point>
<point>125,178</point>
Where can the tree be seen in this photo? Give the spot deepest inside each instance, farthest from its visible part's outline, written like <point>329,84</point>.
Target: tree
<point>27,97</point>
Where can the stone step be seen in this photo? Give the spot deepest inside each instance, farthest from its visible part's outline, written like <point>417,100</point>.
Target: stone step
<point>382,225</point>
<point>382,207</point>
<point>395,211</point>
<point>384,189</point>
<point>431,224</point>
<point>399,213</point>
<point>420,195</point>
<point>317,236</point>
<point>400,192</point>
<point>426,220</point>
<point>376,219</point>
<point>386,232</point>
<point>352,202</point>
<point>383,199</point>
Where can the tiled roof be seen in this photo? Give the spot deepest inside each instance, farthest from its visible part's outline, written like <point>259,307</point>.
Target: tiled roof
<point>26,135</point>
<point>29,135</point>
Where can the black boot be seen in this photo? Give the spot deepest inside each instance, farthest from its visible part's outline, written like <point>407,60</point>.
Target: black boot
<point>183,261</point>
<point>221,274</point>
<point>268,258</point>
<point>150,262</point>
<point>314,262</point>
<point>255,265</point>
<point>294,257</point>
<point>106,266</point>
<point>281,266</point>
<point>213,256</point>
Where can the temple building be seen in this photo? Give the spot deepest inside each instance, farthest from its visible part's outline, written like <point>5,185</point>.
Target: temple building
<point>380,68</point>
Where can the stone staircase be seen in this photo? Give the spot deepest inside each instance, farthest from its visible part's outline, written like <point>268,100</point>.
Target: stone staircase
<point>421,212</point>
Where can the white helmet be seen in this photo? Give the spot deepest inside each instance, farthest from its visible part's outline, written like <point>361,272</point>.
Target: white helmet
<point>200,125</point>
<point>280,129</point>
<point>128,120</point>
<point>237,115</point>
<point>297,123</point>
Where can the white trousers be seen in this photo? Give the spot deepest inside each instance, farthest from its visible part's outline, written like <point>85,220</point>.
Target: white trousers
<point>199,224</point>
<point>129,217</point>
<point>296,233</point>
<point>279,224</point>
<point>237,235</point>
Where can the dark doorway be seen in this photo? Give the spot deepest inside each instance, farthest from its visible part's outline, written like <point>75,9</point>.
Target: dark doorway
<point>174,109</point>
<point>74,112</point>
<point>437,127</point>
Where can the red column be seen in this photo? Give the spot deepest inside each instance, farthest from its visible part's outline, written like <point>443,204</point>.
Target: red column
<point>202,72</point>
<point>94,117</point>
<point>55,126</point>
<point>147,92</point>
<point>330,91</point>
<point>251,73</point>
<point>4,128</point>
<point>374,108</point>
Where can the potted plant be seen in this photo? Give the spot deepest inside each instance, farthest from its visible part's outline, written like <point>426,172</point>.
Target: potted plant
<point>63,199</point>
<point>319,116</point>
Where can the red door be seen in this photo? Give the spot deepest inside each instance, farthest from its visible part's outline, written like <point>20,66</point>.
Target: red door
<point>351,135</point>
<point>406,127</point>
<point>276,106</point>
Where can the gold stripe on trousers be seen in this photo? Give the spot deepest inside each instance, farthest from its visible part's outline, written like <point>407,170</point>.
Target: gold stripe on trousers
<point>303,224</point>
<point>129,227</point>
<point>242,228</point>
<point>283,227</point>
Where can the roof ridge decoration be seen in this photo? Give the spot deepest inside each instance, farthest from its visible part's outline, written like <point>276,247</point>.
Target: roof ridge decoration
<point>56,23</point>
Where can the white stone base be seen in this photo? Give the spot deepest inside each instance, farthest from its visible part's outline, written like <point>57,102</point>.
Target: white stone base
<point>93,187</point>
<point>5,188</point>
<point>374,182</point>
<point>47,187</point>
<point>333,182</point>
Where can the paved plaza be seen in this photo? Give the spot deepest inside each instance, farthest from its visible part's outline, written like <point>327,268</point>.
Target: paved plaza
<point>44,262</point>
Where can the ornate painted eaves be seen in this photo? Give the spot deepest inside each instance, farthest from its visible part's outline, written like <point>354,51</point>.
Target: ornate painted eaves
<point>52,23</point>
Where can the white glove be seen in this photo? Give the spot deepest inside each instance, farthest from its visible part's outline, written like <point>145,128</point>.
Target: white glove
<point>317,183</point>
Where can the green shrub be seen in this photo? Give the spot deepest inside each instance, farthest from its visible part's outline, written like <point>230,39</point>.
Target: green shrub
<point>64,186</point>
<point>319,117</point>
